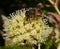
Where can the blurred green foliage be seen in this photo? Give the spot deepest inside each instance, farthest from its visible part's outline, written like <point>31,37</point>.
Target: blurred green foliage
<point>15,47</point>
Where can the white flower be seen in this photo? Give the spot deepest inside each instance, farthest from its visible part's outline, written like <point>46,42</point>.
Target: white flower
<point>33,31</point>
<point>28,26</point>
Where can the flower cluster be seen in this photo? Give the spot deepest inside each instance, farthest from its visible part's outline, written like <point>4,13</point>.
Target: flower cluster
<point>21,30</point>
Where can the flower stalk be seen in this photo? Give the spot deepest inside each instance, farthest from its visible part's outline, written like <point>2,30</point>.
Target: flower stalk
<point>55,6</point>
<point>39,46</point>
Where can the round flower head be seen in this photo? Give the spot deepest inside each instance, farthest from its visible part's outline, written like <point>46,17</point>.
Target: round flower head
<point>24,29</point>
